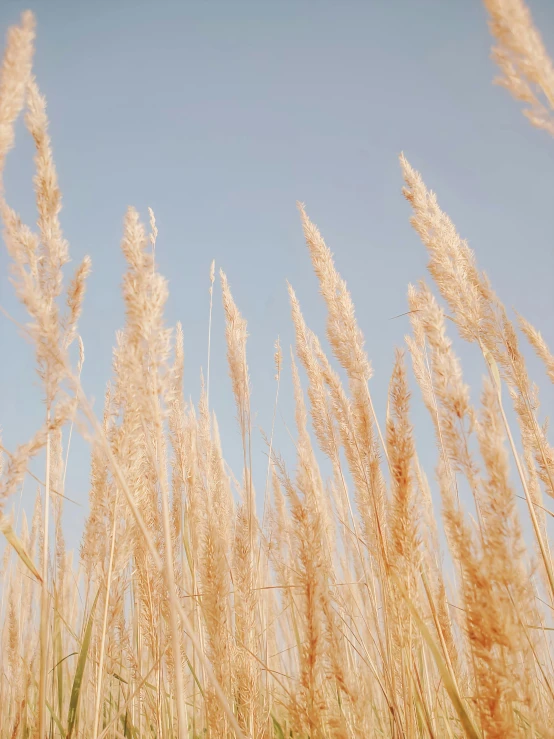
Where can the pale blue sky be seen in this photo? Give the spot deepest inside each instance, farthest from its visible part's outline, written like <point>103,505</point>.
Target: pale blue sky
<point>220,115</point>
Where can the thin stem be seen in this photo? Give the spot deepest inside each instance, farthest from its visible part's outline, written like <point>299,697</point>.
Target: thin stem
<point>44,593</point>
<point>104,623</point>
<point>212,278</point>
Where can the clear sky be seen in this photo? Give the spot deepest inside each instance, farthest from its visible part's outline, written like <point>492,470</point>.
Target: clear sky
<point>220,116</point>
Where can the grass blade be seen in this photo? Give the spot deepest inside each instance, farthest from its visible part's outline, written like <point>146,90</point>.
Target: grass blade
<point>16,543</point>
<point>450,685</point>
<point>79,672</point>
<point>279,733</point>
<point>55,719</point>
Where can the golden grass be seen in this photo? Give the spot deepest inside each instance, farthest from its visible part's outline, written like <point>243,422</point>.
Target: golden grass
<point>330,614</point>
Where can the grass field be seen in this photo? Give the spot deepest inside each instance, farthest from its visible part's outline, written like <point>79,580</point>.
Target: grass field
<point>318,606</point>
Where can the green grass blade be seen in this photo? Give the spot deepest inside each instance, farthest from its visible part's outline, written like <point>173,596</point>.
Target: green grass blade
<point>279,733</point>
<point>67,656</point>
<point>55,719</point>
<point>79,672</point>
<point>129,731</point>
<point>193,673</point>
<point>59,658</point>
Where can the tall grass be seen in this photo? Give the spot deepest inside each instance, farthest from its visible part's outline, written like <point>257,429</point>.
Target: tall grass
<point>331,614</point>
